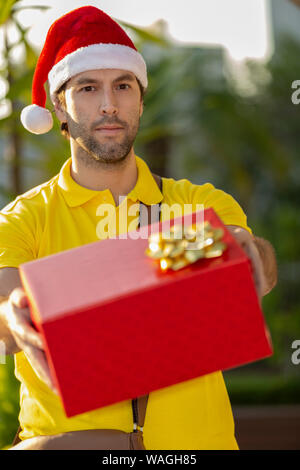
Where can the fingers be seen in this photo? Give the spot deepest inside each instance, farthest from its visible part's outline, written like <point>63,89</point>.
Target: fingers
<point>21,328</point>
<point>19,321</point>
<point>246,240</point>
<point>19,298</point>
<point>26,337</point>
<point>258,271</point>
<point>37,360</point>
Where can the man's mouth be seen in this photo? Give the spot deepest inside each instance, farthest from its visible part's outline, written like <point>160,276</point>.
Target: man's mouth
<point>109,129</point>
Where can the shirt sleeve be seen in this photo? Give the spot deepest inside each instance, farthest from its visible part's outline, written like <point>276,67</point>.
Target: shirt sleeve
<point>17,235</point>
<point>225,206</point>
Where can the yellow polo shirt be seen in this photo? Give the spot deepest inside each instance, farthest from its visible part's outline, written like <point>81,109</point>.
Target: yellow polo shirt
<point>59,215</point>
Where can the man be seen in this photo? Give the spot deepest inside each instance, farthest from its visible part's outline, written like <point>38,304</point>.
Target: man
<point>97,80</point>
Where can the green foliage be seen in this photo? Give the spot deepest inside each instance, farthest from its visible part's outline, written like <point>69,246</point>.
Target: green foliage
<point>143,35</point>
<point>261,389</point>
<point>5,10</point>
<point>21,150</point>
<point>9,402</point>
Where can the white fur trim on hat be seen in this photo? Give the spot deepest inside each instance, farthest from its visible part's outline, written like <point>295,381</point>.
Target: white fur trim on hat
<point>97,56</point>
<point>36,119</point>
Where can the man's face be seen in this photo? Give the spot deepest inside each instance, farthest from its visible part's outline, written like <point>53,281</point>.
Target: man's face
<point>102,110</point>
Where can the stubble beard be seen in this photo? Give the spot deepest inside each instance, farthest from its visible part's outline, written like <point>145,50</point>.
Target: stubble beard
<point>94,153</point>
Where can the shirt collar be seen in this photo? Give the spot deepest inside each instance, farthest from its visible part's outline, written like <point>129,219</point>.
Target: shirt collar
<point>145,190</point>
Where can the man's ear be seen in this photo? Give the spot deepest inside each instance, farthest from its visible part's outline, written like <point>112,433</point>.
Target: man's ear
<point>60,111</point>
<point>141,107</point>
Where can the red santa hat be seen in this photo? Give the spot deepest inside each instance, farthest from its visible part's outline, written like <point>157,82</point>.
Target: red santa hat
<point>83,39</point>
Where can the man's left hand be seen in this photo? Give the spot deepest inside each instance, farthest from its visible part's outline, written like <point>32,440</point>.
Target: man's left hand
<point>247,242</point>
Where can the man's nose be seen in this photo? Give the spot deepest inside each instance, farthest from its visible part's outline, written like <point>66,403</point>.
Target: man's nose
<point>108,104</point>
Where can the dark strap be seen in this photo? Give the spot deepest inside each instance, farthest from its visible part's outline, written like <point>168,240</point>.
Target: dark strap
<point>139,405</point>
<point>16,438</point>
<point>150,214</point>
<point>158,181</point>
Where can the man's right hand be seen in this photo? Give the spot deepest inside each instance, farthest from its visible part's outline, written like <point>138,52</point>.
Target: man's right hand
<point>25,335</point>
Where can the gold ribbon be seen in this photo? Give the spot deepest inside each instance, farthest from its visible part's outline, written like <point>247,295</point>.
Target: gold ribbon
<point>178,248</point>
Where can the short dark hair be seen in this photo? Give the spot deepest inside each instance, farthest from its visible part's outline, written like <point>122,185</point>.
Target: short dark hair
<point>60,94</point>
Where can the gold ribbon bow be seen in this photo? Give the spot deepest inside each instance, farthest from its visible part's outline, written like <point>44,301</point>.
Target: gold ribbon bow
<point>176,249</point>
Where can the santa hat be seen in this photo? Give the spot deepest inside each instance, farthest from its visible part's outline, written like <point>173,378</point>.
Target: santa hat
<point>83,39</point>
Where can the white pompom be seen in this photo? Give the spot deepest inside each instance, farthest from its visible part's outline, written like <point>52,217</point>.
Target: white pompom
<point>36,119</point>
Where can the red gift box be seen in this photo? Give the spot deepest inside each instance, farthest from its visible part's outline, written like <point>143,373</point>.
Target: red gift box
<point>116,327</point>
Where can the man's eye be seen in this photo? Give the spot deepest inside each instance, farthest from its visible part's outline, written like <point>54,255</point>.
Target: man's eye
<point>88,88</point>
<point>124,86</point>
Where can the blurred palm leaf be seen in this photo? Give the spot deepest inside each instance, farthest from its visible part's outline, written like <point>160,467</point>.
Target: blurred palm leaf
<point>31,56</point>
<point>145,35</point>
<point>6,7</point>
<point>30,7</point>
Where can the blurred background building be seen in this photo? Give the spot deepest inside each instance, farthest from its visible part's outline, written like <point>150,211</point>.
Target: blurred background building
<point>285,18</point>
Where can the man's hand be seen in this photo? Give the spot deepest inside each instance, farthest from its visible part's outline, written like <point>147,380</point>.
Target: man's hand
<point>248,243</point>
<point>25,336</point>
